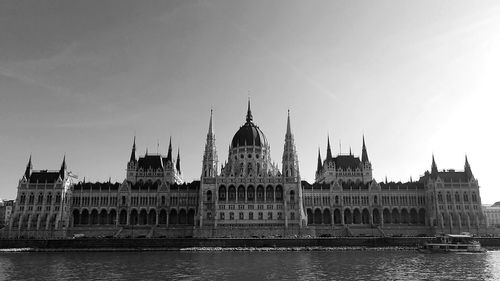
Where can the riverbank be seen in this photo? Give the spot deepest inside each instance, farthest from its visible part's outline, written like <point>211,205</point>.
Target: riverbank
<point>175,244</point>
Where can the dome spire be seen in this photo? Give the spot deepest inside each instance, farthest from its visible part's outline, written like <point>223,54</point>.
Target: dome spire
<point>249,113</point>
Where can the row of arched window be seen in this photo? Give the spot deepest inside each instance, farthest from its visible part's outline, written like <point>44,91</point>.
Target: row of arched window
<point>39,199</point>
<point>241,194</point>
<point>457,198</point>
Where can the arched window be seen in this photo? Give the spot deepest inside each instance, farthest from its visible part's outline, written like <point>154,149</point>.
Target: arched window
<point>250,193</point>
<point>279,193</point>
<point>209,195</point>
<point>466,197</point>
<point>474,198</point>
<point>292,196</point>
<point>40,198</point>
<point>440,197</point>
<point>375,199</point>
<point>336,199</point>
<point>241,193</point>
<point>448,197</point>
<point>269,193</point>
<point>457,197</point>
<point>58,198</point>
<point>222,193</point>
<point>31,199</point>
<point>231,194</point>
<point>260,193</point>
<point>163,200</point>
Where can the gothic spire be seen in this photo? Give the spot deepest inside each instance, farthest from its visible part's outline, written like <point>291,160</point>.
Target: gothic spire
<point>320,165</point>
<point>364,154</point>
<point>132,154</point>
<point>29,167</point>
<point>468,170</point>
<point>210,132</point>
<point>63,166</point>
<point>328,149</point>
<point>249,113</point>
<point>434,169</point>
<point>288,129</point>
<point>169,154</point>
<point>178,162</point>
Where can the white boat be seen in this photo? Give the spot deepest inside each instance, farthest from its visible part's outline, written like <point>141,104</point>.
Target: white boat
<point>454,243</point>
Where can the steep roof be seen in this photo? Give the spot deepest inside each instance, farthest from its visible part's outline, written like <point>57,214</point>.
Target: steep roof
<point>150,161</point>
<point>44,176</point>
<point>347,161</point>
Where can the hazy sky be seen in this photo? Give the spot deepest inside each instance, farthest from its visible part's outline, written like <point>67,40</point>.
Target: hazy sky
<point>415,77</point>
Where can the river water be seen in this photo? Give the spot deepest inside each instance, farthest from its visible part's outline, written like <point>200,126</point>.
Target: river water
<point>303,265</point>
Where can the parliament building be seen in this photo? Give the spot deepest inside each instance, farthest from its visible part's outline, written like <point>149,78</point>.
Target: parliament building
<point>246,196</point>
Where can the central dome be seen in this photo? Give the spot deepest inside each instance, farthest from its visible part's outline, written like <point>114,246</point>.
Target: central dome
<point>249,134</point>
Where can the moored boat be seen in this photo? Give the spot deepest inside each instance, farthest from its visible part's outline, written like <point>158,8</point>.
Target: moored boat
<point>454,243</point>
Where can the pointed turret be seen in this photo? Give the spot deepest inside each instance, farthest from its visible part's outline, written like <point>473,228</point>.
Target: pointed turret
<point>249,113</point>
<point>288,129</point>
<point>29,168</point>
<point>364,154</point>
<point>210,130</point>
<point>178,162</point>
<point>328,150</point>
<point>467,169</point>
<point>169,154</point>
<point>63,167</point>
<point>209,168</point>
<point>290,163</point>
<point>320,165</point>
<point>434,169</point>
<point>132,154</point>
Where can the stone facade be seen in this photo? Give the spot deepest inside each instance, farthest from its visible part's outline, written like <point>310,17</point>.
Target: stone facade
<point>248,195</point>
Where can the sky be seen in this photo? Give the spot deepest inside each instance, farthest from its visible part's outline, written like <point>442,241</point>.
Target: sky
<point>416,78</point>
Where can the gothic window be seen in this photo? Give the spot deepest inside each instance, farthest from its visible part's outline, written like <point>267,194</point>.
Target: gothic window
<point>231,216</point>
<point>250,193</point>
<point>162,200</point>
<point>292,216</point>
<point>457,197</point>
<point>261,216</point>
<point>260,193</point>
<point>375,199</point>
<point>292,196</point>
<point>249,168</point>
<point>23,198</point>
<point>448,197</point>
<point>269,193</point>
<point>474,198</point>
<point>221,216</point>
<point>250,216</point>
<point>209,195</point>
<point>231,193</point>
<point>270,215</point>
<point>222,193</point>
<point>40,198</point>
<point>279,193</point>
<point>336,199</point>
<point>440,197</point>
<point>241,193</point>
<point>31,199</point>
<point>241,215</point>
<point>466,197</point>
<point>209,215</point>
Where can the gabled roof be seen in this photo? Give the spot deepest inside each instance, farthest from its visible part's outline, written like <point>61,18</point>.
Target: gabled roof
<point>44,176</point>
<point>347,161</point>
<point>150,162</point>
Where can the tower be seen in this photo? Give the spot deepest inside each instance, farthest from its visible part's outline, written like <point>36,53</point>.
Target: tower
<point>132,164</point>
<point>434,169</point>
<point>468,170</point>
<point>29,169</point>
<point>366,164</point>
<point>319,168</point>
<point>209,168</point>
<point>290,163</point>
